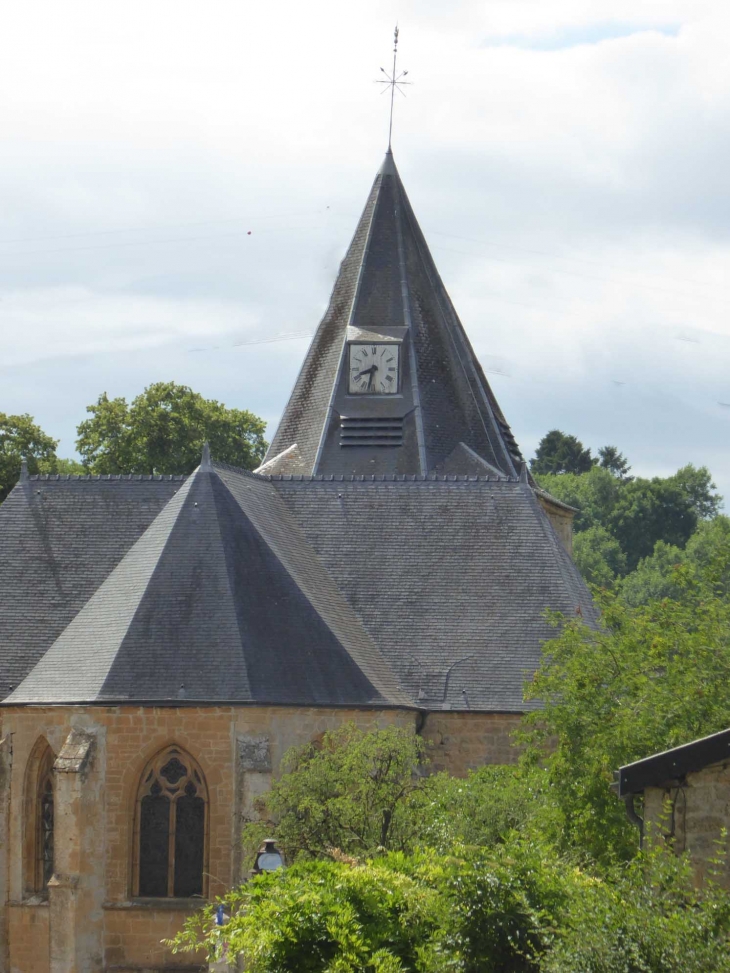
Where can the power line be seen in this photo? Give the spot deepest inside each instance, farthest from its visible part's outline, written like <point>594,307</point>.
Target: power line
<point>252,220</point>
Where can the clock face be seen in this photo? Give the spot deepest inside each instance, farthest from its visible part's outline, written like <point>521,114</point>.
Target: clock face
<point>374,369</point>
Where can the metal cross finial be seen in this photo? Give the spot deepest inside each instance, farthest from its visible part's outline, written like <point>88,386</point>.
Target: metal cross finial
<point>394,81</point>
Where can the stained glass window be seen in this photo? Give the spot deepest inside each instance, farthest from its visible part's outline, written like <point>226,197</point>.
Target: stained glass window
<point>171,827</point>
<point>45,828</point>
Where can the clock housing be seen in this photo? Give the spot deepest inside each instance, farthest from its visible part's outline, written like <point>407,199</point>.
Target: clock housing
<point>374,368</point>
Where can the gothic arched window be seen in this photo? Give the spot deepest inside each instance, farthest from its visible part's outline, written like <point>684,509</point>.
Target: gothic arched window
<point>44,822</point>
<point>171,824</point>
<point>38,818</point>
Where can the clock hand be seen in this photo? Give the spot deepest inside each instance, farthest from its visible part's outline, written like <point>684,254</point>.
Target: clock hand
<point>366,371</point>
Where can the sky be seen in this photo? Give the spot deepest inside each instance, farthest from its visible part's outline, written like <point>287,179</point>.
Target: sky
<point>179,182</point>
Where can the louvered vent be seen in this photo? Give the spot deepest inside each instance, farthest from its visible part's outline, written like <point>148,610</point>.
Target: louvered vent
<point>371,432</point>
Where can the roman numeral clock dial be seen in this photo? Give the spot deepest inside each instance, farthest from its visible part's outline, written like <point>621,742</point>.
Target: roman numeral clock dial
<point>374,369</point>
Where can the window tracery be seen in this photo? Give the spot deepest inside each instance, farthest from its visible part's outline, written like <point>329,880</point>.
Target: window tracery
<point>44,840</point>
<point>171,827</point>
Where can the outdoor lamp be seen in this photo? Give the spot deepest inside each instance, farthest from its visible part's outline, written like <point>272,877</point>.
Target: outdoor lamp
<point>269,858</point>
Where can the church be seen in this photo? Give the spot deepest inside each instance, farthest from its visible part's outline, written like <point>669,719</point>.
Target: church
<point>164,640</point>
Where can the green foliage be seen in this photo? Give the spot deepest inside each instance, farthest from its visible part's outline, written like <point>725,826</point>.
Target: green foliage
<point>614,461</point>
<point>647,918</point>
<point>654,577</point>
<point>637,513</point>
<point>560,453</point>
<point>599,556</point>
<point>353,792</point>
<point>593,494</point>
<point>70,467</point>
<point>657,576</point>
<point>648,679</point>
<point>472,913</point>
<point>334,916</point>
<point>482,809</point>
<point>21,439</point>
<point>163,431</point>
<point>647,511</point>
<point>518,908</point>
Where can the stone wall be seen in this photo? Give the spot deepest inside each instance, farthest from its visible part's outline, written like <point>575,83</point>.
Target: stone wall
<point>561,517</point>
<point>95,921</point>
<point>460,742</point>
<point>693,815</point>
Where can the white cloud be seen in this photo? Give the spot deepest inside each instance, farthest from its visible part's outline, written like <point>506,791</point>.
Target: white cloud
<point>566,160</point>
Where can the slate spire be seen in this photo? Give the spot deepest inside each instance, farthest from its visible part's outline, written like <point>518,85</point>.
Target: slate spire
<point>390,312</point>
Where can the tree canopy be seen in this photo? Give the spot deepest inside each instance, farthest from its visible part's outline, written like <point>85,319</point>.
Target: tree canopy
<point>350,792</point>
<point>21,439</point>
<point>558,452</point>
<point>164,430</point>
<point>620,520</point>
<point>648,679</point>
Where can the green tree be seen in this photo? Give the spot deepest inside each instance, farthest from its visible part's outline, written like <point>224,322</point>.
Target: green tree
<point>654,577</point>
<point>594,494</point>
<point>645,918</point>
<point>473,913</point>
<point>21,439</point>
<point>70,467</point>
<point>648,679</point>
<point>559,453</point>
<point>351,792</point>
<point>164,430</point>
<point>697,486</point>
<point>614,461</point>
<point>517,908</point>
<point>599,557</point>
<point>648,511</point>
<point>637,512</point>
<point>658,576</point>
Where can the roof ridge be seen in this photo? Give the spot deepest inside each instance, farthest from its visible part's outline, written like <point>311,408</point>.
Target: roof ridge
<point>220,465</point>
<point>108,477</point>
<point>387,478</point>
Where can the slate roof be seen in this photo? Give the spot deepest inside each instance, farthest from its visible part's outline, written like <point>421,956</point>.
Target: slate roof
<point>450,576</point>
<point>220,599</point>
<point>388,288</point>
<point>59,539</point>
<point>236,587</point>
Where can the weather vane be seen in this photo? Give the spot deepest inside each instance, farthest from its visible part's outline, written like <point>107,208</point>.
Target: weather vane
<point>394,81</point>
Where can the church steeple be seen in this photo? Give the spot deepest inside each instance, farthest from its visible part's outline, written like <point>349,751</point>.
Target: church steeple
<point>390,383</point>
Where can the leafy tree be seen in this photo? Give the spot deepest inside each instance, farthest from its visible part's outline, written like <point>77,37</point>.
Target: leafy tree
<point>352,792</point>
<point>654,577</point>
<point>647,511</point>
<point>482,809</point>
<point>163,431</point>
<point>637,512</point>
<point>472,913</point>
<point>697,486</point>
<point>518,908</point>
<point>559,453</point>
<point>613,461</point>
<point>599,557</point>
<point>594,494</point>
<point>648,679</point>
<point>658,576</point>
<point>70,467</point>
<point>21,439</point>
